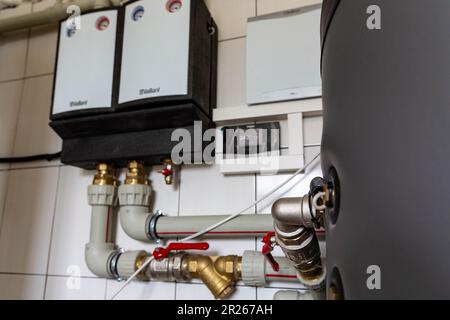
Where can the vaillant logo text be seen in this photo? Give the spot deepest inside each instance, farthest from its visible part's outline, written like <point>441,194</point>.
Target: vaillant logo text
<point>78,103</point>
<point>149,91</point>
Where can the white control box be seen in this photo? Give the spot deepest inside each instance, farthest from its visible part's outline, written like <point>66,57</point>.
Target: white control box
<point>155,53</point>
<point>283,56</point>
<point>84,74</point>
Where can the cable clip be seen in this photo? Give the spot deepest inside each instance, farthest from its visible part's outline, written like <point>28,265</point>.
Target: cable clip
<point>269,244</point>
<point>162,253</point>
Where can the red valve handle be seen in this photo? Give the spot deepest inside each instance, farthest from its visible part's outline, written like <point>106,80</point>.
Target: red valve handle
<point>167,172</point>
<point>162,253</point>
<point>267,251</point>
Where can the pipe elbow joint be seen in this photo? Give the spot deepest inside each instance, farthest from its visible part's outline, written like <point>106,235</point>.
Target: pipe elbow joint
<point>291,213</point>
<point>134,200</point>
<point>98,258</point>
<point>134,221</point>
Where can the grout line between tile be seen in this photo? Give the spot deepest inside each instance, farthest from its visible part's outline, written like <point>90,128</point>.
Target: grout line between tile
<point>234,38</point>
<point>52,228</point>
<point>36,167</point>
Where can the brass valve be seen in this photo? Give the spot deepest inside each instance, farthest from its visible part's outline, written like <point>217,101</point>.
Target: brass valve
<point>219,274</point>
<point>105,175</point>
<point>137,174</point>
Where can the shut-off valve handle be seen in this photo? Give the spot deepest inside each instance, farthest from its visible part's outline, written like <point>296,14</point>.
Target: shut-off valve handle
<point>162,253</point>
<point>269,244</point>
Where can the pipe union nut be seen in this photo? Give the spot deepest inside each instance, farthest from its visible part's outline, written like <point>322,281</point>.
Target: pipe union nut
<point>135,195</point>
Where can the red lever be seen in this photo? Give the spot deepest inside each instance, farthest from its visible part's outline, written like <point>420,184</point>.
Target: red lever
<point>162,253</point>
<point>267,250</point>
<point>167,172</point>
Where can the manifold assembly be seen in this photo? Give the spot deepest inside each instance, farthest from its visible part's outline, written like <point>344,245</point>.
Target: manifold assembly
<point>292,226</point>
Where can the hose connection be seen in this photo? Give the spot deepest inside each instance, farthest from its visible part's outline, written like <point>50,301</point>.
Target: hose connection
<point>168,171</point>
<point>105,176</point>
<point>137,174</point>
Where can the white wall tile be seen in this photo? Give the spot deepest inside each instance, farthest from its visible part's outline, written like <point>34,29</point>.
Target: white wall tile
<point>269,6</point>
<point>164,197</point>
<point>311,153</point>
<point>34,136</point>
<point>231,82</point>
<point>13,51</point>
<point>141,290</point>
<point>11,94</point>
<point>72,222</point>
<point>312,130</point>
<point>21,287</point>
<point>65,288</point>
<point>231,16</point>
<point>42,50</point>
<point>27,222</point>
<point>206,191</point>
<point>189,291</point>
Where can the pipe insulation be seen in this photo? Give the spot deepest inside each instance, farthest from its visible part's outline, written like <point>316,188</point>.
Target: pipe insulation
<point>50,15</point>
<point>242,226</point>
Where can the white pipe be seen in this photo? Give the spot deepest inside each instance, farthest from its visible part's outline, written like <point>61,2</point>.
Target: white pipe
<point>243,226</point>
<point>134,200</point>
<point>50,15</point>
<point>296,295</point>
<point>257,271</point>
<point>100,248</point>
<point>133,220</point>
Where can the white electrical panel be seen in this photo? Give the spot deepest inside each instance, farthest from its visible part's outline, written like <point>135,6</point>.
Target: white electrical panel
<point>155,54</point>
<point>85,64</point>
<point>283,56</point>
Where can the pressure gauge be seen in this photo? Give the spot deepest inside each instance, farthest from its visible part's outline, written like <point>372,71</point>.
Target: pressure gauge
<point>174,6</point>
<point>137,13</point>
<point>102,23</point>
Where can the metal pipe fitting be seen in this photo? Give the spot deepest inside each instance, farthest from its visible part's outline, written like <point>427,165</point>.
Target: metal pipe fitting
<point>301,247</point>
<point>137,174</point>
<point>295,234</point>
<point>168,171</point>
<point>289,213</point>
<point>134,200</point>
<point>203,268</point>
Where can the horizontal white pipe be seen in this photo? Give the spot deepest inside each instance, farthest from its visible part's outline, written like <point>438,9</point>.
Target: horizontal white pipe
<point>243,226</point>
<point>50,15</point>
<point>287,272</point>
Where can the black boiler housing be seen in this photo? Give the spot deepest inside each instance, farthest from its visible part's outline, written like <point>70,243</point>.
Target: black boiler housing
<point>141,129</point>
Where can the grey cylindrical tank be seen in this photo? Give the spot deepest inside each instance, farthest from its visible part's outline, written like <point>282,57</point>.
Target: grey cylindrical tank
<point>386,100</point>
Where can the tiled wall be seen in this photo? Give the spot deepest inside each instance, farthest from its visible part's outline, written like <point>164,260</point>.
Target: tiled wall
<point>44,215</point>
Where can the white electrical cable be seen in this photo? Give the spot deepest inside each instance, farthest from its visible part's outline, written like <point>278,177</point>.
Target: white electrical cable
<point>219,224</point>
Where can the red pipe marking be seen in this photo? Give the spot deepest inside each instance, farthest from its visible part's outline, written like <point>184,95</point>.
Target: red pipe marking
<point>216,232</point>
<point>280,276</point>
